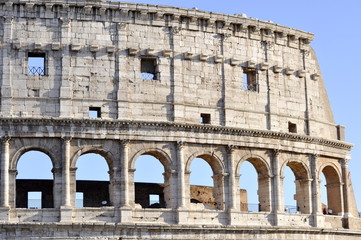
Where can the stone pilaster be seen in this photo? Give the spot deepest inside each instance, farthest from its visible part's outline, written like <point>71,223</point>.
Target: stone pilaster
<point>345,187</point>
<point>4,171</point>
<point>5,161</point>
<point>124,162</point>
<point>277,196</point>
<point>115,178</point>
<point>125,209</point>
<point>6,89</point>
<point>315,192</point>
<point>181,172</point>
<point>57,187</point>
<point>65,89</point>
<point>232,206</point>
<point>181,208</point>
<point>66,208</point>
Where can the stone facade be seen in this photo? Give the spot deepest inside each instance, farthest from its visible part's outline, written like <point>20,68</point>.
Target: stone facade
<point>177,84</point>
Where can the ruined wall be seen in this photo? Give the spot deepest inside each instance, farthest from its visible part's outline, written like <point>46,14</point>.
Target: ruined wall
<point>200,59</point>
<point>124,80</point>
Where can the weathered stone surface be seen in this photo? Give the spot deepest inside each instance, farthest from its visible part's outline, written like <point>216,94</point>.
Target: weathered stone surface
<point>124,80</point>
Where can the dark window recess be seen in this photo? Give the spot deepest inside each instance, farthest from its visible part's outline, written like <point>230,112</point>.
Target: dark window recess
<point>34,194</point>
<point>292,127</point>
<point>94,112</point>
<point>236,27</point>
<point>205,118</point>
<point>148,69</point>
<point>185,20</point>
<point>36,63</point>
<point>249,80</point>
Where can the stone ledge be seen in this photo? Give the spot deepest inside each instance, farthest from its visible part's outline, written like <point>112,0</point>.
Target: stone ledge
<point>174,126</point>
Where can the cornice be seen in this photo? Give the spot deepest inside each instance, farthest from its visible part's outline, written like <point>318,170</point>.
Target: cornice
<point>116,11</point>
<point>175,126</point>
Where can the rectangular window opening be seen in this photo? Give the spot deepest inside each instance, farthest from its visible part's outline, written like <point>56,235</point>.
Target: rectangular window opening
<point>36,63</point>
<point>237,27</point>
<point>292,127</point>
<point>205,118</point>
<point>148,69</point>
<point>249,80</point>
<point>34,200</point>
<point>79,199</point>
<point>94,112</point>
<point>154,199</point>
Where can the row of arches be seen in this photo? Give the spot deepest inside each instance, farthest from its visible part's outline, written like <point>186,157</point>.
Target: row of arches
<point>93,171</point>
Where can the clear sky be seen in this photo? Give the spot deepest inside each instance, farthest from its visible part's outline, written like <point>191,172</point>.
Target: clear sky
<point>336,25</point>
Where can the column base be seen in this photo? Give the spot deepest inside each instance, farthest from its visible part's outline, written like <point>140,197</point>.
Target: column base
<point>233,217</point>
<point>66,214</point>
<point>318,220</point>
<point>182,215</point>
<point>125,214</point>
<point>4,214</point>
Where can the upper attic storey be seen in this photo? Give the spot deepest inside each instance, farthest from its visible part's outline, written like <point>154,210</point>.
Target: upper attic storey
<point>155,15</point>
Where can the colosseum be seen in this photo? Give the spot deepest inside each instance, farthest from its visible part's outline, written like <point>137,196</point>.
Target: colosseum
<point>124,80</point>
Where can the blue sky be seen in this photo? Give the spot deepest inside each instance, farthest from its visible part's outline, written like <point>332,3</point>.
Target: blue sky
<point>336,25</point>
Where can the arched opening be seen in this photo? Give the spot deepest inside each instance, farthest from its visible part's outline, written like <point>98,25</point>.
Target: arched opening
<point>255,186</point>
<point>92,181</point>
<point>289,189</point>
<point>205,183</point>
<point>296,173</point>
<point>333,191</point>
<point>151,187</point>
<point>34,181</point>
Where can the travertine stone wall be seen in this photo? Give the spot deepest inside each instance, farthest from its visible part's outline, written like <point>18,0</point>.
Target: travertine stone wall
<point>200,61</point>
<point>227,89</point>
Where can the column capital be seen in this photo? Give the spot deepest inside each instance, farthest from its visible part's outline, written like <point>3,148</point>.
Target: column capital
<point>345,161</point>
<point>13,172</point>
<point>124,142</point>
<point>315,155</point>
<point>220,175</point>
<point>56,170</point>
<point>66,139</point>
<point>180,145</point>
<point>231,148</point>
<point>276,152</point>
<point>169,173</point>
<point>5,139</point>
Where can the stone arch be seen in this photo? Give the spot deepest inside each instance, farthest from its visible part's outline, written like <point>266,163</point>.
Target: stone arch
<point>211,158</point>
<point>299,169</point>
<point>217,167</point>
<point>107,196</point>
<point>260,164</point>
<point>89,149</point>
<point>302,182</point>
<point>45,187</point>
<point>264,179</point>
<point>165,195</point>
<point>334,188</point>
<point>21,151</point>
<point>159,154</point>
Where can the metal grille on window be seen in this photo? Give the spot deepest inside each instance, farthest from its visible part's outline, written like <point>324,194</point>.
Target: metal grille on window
<point>36,63</point>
